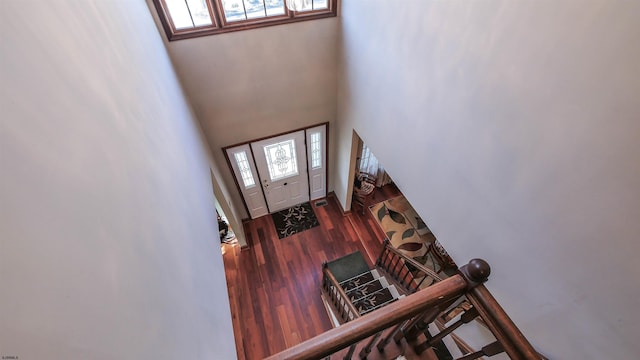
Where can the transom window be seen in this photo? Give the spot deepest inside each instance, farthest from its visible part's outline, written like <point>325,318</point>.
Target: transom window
<point>183,19</point>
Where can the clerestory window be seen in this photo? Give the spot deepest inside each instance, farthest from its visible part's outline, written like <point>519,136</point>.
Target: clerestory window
<point>183,19</point>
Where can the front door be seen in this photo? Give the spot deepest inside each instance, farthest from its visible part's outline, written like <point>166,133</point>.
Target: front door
<point>282,164</point>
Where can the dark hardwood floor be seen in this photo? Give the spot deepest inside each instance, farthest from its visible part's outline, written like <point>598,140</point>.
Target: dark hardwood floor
<point>274,285</point>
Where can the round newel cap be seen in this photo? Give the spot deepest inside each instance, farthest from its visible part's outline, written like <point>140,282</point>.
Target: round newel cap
<point>478,270</point>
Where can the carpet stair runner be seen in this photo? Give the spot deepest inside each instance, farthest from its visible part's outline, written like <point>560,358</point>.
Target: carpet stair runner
<point>367,289</point>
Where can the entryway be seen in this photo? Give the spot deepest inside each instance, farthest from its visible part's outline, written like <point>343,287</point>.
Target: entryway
<point>280,171</point>
<point>282,165</point>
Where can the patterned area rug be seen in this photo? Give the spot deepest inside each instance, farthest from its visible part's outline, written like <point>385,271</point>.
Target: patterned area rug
<point>294,220</point>
<point>405,230</point>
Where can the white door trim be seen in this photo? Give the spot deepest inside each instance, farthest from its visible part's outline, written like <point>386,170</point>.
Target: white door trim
<point>256,210</point>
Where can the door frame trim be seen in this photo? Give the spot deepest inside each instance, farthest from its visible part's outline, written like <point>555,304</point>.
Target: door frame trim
<point>248,142</point>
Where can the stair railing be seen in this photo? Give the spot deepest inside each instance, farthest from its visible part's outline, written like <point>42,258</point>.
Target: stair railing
<point>406,271</point>
<point>339,301</point>
<point>423,307</point>
<point>500,324</point>
<point>485,307</point>
<point>337,297</point>
<point>370,324</point>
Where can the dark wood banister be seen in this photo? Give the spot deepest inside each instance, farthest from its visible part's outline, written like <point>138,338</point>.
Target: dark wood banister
<point>370,324</point>
<point>504,329</point>
<point>499,323</point>
<point>467,281</point>
<point>414,263</point>
<point>340,291</point>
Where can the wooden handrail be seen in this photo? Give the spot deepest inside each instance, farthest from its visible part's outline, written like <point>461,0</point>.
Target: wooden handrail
<point>367,325</point>
<point>414,263</point>
<point>341,292</point>
<point>501,325</point>
<point>467,281</point>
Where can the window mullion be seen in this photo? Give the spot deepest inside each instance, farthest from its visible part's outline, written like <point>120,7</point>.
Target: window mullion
<point>217,12</point>
<point>190,14</point>
<point>246,16</point>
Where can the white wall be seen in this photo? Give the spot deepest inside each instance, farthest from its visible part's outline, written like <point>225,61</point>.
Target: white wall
<point>251,84</point>
<point>513,129</point>
<point>108,241</point>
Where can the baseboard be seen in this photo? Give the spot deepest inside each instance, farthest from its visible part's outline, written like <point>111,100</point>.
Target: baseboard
<point>344,213</point>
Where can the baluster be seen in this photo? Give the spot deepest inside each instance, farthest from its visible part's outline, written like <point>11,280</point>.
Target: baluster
<point>390,256</point>
<point>412,329</point>
<point>349,354</point>
<point>399,268</point>
<point>367,349</point>
<point>466,318</point>
<point>381,345</point>
<point>408,272</point>
<point>382,261</point>
<point>387,258</point>
<point>421,281</point>
<point>345,310</point>
<point>393,267</point>
<point>383,252</point>
<point>492,349</point>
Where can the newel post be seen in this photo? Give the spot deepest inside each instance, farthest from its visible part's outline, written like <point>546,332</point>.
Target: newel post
<point>506,332</point>
<point>475,272</point>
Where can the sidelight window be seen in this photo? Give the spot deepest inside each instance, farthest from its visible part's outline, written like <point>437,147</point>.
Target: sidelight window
<point>316,151</point>
<point>245,169</point>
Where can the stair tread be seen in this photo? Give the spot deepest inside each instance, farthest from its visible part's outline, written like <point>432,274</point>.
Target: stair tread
<point>348,266</point>
<point>359,280</point>
<point>367,289</point>
<point>375,300</point>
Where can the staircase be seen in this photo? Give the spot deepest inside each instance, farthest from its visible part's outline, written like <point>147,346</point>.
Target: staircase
<point>388,313</point>
<point>370,291</point>
<point>364,289</point>
<point>360,291</point>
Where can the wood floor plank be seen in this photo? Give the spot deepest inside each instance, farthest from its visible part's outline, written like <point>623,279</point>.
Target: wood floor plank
<point>274,285</point>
